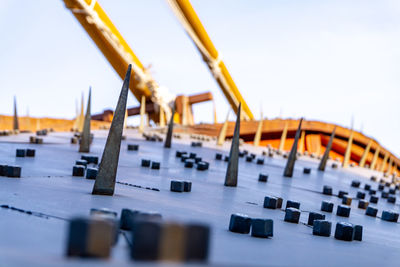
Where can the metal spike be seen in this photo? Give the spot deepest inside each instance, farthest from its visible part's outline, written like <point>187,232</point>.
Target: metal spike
<point>105,180</point>
<point>347,154</point>
<point>81,117</point>
<point>222,133</point>
<point>257,136</point>
<point>233,164</point>
<point>325,157</point>
<point>365,154</point>
<point>292,156</point>
<point>85,140</point>
<point>283,138</point>
<point>168,139</point>
<point>15,122</point>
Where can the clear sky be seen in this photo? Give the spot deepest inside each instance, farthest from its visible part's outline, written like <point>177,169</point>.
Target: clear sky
<point>322,60</point>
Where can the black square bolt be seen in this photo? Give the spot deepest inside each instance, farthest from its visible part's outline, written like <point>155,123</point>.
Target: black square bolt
<point>192,155</point>
<point>78,170</point>
<point>177,186</point>
<point>197,242</point>
<point>260,161</point>
<point>14,171</point>
<point>355,183</point>
<point>327,190</point>
<point>292,215</point>
<point>262,228</point>
<point>342,193</point>
<point>360,195</point>
<point>127,219</point>
<point>249,158</point>
<point>371,211</point>
<point>184,158</point>
<point>240,223</point>
<point>367,187</point>
<point>241,154</point>
<point>322,228</point>
<point>197,159</point>
<point>147,236</point>
<point>381,187</point>
<point>362,204</point>
<point>202,166</point>
<point>357,234</point>
<point>391,199</point>
<point>155,165</point>
<point>189,163</point>
<point>218,156</point>
<point>344,231</point>
<point>389,216</point>
<point>307,170</point>
<point>343,211</point>
<point>374,199</point>
<point>312,216</point>
<point>327,206</point>
<point>30,152</point>
<point>187,186</point>
<point>270,202</point>
<point>91,173</point>
<point>20,153</point>
<point>81,162</point>
<point>90,238</point>
<point>263,177</point>
<point>346,200</point>
<point>384,194</point>
<point>90,159</point>
<point>292,204</point>
<point>392,191</point>
<point>3,170</point>
<point>133,147</point>
<point>146,163</point>
<point>226,158</point>
<point>179,154</point>
<point>372,191</point>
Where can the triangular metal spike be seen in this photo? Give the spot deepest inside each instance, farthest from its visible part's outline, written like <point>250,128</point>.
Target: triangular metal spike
<point>347,154</point>
<point>222,133</point>
<point>168,138</point>
<point>233,164</point>
<point>85,137</point>
<point>105,180</point>
<point>365,154</point>
<point>292,155</point>
<point>325,157</point>
<point>257,136</point>
<point>283,138</point>
<point>15,120</point>
<point>81,117</point>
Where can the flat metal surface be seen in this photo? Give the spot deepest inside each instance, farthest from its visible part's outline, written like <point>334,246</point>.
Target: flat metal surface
<point>46,186</point>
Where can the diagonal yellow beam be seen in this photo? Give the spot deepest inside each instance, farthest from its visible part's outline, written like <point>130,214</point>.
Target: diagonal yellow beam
<point>195,29</point>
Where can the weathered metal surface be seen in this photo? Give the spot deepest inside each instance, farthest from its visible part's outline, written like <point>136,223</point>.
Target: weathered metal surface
<point>85,140</point>
<point>231,177</point>
<point>325,157</point>
<point>105,180</point>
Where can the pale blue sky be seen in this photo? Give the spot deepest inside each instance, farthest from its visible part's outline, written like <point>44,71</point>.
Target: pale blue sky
<point>323,60</point>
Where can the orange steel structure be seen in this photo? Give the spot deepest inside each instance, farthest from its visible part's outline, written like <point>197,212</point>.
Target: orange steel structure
<point>316,137</point>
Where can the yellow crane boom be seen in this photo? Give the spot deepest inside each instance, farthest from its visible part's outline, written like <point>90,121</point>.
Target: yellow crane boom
<point>193,26</point>
<point>117,51</point>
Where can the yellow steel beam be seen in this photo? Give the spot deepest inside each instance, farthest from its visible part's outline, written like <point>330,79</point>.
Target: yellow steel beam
<point>111,43</point>
<point>195,29</point>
